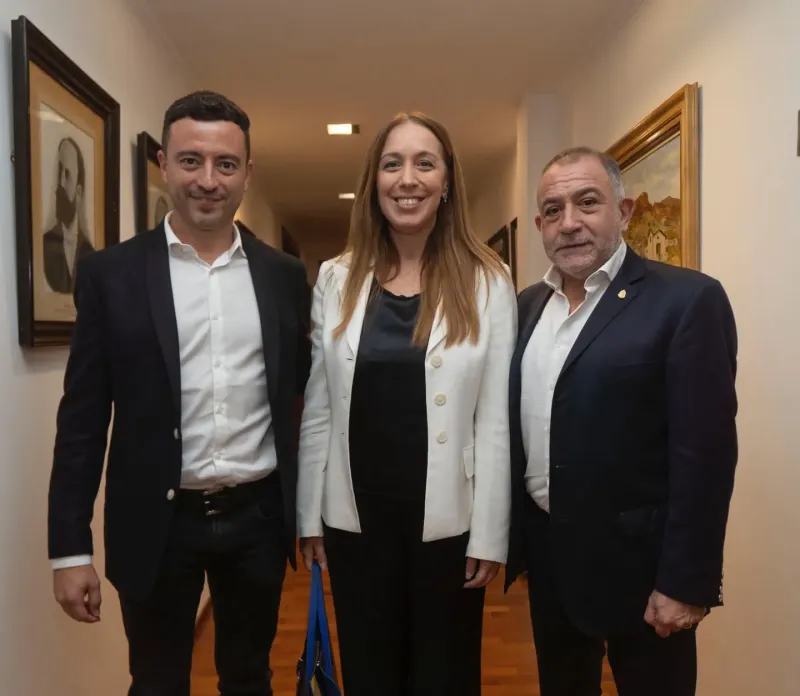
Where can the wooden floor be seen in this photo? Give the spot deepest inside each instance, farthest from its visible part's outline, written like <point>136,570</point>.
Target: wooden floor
<point>509,664</point>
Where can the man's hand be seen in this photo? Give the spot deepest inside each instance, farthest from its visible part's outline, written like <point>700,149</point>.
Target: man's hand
<point>669,616</point>
<point>311,548</point>
<point>77,590</point>
<point>487,570</point>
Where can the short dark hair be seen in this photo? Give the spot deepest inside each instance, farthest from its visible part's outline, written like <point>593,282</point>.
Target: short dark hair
<point>206,106</point>
<point>573,154</point>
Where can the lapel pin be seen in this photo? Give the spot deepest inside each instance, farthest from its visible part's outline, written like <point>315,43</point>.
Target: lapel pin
<point>622,294</point>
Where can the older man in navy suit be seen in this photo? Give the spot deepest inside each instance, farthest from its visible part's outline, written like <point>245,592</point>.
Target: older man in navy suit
<point>624,445</point>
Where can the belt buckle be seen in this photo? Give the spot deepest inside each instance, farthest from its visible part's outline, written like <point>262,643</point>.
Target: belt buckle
<point>208,502</point>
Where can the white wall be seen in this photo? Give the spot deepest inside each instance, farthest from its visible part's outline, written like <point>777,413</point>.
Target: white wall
<point>494,205</point>
<point>745,54</point>
<point>42,652</point>
<point>256,213</point>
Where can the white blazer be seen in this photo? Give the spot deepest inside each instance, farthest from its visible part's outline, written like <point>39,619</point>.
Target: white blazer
<point>468,480</point>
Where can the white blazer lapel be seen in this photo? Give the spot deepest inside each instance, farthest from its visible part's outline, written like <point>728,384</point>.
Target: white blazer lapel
<point>438,332</point>
<point>353,332</point>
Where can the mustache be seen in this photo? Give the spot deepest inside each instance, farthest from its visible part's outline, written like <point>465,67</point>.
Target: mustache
<point>65,208</point>
<point>202,195</point>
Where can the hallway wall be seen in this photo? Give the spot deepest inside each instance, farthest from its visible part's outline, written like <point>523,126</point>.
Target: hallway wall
<point>745,56</point>
<point>256,213</point>
<point>493,203</point>
<point>42,652</point>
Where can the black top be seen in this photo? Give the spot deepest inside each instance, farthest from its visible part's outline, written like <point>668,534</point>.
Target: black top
<point>388,416</point>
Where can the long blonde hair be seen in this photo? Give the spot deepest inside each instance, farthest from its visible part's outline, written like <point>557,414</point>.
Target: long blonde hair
<point>454,258</point>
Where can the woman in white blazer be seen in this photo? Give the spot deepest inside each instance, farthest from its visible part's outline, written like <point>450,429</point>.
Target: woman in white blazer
<point>404,473</point>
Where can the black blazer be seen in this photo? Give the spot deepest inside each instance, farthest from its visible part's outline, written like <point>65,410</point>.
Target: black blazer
<point>125,354</point>
<point>643,447</point>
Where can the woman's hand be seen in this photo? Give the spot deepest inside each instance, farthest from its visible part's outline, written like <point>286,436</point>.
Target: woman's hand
<point>311,548</point>
<point>487,571</point>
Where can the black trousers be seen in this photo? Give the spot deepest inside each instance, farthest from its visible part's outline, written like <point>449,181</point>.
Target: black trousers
<point>570,663</point>
<point>243,553</point>
<point>406,625</point>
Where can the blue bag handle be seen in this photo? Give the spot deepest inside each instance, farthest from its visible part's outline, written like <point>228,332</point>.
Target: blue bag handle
<point>317,623</point>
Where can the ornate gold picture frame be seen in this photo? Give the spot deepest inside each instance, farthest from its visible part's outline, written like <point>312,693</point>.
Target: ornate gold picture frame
<point>659,159</point>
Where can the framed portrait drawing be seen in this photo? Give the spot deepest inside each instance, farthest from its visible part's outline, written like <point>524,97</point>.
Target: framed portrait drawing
<point>660,171</point>
<point>66,177</point>
<point>153,201</point>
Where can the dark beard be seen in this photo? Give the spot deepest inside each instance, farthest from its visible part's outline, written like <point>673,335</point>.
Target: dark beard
<point>65,208</point>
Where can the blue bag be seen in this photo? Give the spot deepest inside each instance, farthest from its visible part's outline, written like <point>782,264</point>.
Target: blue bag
<point>316,672</point>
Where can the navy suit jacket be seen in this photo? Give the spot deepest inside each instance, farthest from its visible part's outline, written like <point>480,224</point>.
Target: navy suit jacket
<point>643,448</point>
<point>125,354</point>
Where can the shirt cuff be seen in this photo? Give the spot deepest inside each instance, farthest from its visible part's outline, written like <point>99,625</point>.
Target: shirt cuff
<point>71,562</point>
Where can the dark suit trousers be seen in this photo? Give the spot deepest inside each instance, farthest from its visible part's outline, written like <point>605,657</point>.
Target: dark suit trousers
<point>406,625</point>
<point>243,553</point>
<point>571,662</point>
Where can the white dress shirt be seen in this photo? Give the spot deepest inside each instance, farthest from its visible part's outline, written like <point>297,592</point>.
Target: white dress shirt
<point>226,424</point>
<point>544,357</point>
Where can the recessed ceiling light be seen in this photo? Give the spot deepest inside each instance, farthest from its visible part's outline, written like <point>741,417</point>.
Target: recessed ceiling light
<point>343,129</point>
<point>347,196</point>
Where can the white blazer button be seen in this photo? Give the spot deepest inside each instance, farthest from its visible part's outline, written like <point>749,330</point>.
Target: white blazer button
<point>170,494</point>
<point>436,361</point>
<point>441,399</point>
<point>176,434</point>
<point>442,437</point>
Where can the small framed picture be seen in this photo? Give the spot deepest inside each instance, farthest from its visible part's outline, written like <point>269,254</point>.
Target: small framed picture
<point>153,201</point>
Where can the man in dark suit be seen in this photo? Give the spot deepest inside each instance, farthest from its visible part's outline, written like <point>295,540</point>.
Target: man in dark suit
<point>624,445</point>
<point>197,336</point>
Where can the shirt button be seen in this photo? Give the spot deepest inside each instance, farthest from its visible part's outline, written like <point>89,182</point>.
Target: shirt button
<point>220,409</point>
<point>440,399</point>
<point>170,494</point>
<point>436,361</point>
<point>216,363</point>
<point>442,437</point>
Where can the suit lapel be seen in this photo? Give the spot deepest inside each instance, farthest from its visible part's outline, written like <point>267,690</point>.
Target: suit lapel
<point>353,332</point>
<point>619,295</point>
<point>532,316</point>
<point>162,308</point>
<point>264,278</point>
<point>438,332</point>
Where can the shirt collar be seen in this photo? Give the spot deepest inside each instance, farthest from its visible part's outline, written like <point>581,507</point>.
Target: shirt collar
<point>608,270</point>
<point>174,242</point>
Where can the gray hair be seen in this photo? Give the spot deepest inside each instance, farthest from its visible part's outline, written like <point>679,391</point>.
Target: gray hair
<point>573,154</point>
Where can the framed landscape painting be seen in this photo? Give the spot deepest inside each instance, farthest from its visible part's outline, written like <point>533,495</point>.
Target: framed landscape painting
<point>660,171</point>
<point>66,180</point>
<point>153,201</point>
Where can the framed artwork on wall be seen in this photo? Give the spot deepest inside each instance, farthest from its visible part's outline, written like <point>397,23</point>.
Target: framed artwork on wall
<point>153,201</point>
<point>499,243</point>
<point>660,170</point>
<point>503,242</point>
<point>66,180</point>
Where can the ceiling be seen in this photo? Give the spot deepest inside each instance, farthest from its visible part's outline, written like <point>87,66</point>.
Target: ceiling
<point>296,65</point>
